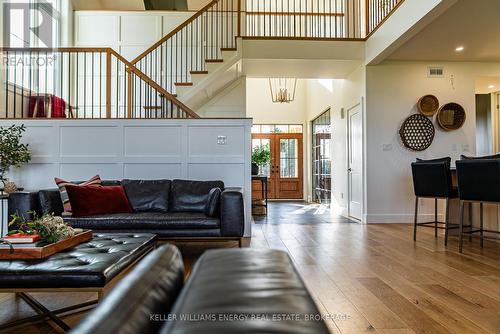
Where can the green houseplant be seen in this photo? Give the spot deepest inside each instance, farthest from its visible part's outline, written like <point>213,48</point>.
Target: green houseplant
<point>50,228</point>
<point>13,153</point>
<point>261,155</point>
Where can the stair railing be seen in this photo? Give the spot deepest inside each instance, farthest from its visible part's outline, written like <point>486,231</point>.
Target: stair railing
<point>304,19</point>
<point>187,49</point>
<point>377,11</point>
<point>80,83</point>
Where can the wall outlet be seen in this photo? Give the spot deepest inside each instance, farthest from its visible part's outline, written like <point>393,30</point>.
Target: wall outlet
<point>386,147</point>
<point>465,147</point>
<point>454,147</point>
<point>221,140</point>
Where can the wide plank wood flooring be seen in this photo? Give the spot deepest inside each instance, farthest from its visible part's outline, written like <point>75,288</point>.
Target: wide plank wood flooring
<point>366,279</point>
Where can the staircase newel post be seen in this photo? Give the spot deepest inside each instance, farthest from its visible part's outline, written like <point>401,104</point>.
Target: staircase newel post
<point>108,84</point>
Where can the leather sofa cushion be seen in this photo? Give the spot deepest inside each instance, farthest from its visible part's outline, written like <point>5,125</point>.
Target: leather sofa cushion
<point>248,282</point>
<point>91,264</point>
<point>145,221</point>
<point>212,207</point>
<point>93,200</point>
<point>147,195</point>
<point>50,202</point>
<point>154,284</point>
<point>191,196</point>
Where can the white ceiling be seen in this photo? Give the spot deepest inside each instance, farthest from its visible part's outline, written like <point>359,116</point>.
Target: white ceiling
<point>123,5</point>
<point>474,24</point>
<point>487,85</point>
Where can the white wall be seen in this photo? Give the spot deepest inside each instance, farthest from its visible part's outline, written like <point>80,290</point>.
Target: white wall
<point>138,149</point>
<point>336,94</point>
<point>261,108</point>
<point>264,111</point>
<point>67,23</point>
<point>128,33</point>
<point>229,102</point>
<point>393,89</point>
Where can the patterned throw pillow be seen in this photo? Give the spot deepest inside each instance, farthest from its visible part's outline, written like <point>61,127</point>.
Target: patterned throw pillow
<point>61,184</point>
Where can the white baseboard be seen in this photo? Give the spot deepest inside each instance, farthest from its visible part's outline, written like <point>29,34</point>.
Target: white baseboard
<point>399,218</point>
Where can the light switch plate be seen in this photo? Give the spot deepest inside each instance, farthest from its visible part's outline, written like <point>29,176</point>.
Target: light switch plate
<point>386,147</point>
<point>221,140</point>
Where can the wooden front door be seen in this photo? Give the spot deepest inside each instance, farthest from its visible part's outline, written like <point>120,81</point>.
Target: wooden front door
<point>285,172</point>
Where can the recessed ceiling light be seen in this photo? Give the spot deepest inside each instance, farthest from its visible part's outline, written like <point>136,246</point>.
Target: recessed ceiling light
<point>459,48</point>
<point>491,86</point>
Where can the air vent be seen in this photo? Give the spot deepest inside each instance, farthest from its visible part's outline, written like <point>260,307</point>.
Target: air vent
<point>435,72</point>
<point>165,4</point>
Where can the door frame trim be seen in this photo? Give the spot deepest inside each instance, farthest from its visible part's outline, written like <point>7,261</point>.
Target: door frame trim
<point>348,143</point>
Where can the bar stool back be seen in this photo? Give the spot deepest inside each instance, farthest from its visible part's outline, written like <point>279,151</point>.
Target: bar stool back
<point>478,182</point>
<point>432,179</point>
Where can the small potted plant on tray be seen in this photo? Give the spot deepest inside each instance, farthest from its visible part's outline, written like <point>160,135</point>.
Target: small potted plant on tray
<point>46,229</point>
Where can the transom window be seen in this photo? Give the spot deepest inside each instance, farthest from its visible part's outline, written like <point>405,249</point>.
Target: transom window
<point>277,128</point>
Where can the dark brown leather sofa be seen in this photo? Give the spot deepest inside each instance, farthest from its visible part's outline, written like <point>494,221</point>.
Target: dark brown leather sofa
<point>178,209</point>
<point>228,291</point>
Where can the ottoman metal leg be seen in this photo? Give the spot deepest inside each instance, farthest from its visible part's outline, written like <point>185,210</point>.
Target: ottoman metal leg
<point>45,313</point>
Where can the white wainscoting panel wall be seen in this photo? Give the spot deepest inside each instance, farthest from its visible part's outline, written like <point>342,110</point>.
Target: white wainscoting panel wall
<point>197,149</point>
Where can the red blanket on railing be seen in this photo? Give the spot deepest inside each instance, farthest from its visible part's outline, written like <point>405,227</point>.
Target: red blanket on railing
<point>46,106</point>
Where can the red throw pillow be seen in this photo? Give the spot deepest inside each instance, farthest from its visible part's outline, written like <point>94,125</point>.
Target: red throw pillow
<point>97,200</point>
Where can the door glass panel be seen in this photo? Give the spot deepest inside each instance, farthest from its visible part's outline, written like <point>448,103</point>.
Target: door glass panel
<point>289,158</point>
<point>266,142</point>
<point>321,157</point>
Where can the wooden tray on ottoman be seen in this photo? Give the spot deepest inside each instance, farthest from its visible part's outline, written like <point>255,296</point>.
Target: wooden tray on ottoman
<point>32,252</point>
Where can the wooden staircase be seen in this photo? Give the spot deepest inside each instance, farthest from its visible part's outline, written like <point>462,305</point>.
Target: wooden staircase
<point>155,83</point>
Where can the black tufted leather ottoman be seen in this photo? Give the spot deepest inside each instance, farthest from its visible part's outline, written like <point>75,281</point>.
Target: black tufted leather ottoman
<point>87,267</point>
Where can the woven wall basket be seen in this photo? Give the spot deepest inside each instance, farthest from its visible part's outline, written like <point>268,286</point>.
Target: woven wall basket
<point>451,116</point>
<point>428,105</point>
<point>417,132</point>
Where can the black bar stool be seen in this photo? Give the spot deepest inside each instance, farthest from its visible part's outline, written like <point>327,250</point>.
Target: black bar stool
<point>478,182</point>
<point>432,179</point>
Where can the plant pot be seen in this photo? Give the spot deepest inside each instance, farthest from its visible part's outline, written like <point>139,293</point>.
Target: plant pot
<point>255,169</point>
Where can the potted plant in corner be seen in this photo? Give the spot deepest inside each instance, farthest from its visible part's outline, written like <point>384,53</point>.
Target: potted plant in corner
<point>261,155</point>
<point>13,153</point>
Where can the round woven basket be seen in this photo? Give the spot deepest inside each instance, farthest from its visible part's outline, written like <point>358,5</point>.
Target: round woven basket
<point>451,116</point>
<point>417,132</point>
<point>428,105</point>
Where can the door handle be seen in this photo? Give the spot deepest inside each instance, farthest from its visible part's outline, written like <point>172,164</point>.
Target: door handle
<point>349,169</point>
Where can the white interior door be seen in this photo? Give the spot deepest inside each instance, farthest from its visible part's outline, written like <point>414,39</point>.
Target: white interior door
<point>355,162</point>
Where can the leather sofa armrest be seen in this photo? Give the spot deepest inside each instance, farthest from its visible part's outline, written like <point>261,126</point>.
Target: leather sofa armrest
<point>23,204</point>
<point>232,212</point>
<point>140,302</point>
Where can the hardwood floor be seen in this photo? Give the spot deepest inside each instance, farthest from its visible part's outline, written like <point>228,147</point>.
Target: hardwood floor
<point>366,279</point>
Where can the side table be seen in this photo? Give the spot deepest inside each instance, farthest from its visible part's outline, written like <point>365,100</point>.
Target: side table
<point>263,181</point>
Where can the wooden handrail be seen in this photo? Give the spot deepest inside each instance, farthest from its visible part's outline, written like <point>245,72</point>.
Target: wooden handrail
<point>382,19</point>
<point>48,50</point>
<point>175,31</point>
<point>153,84</point>
<point>104,83</point>
<point>294,14</point>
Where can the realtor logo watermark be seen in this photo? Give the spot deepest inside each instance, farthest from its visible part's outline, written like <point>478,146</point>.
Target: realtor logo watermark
<point>25,24</point>
<point>25,21</point>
